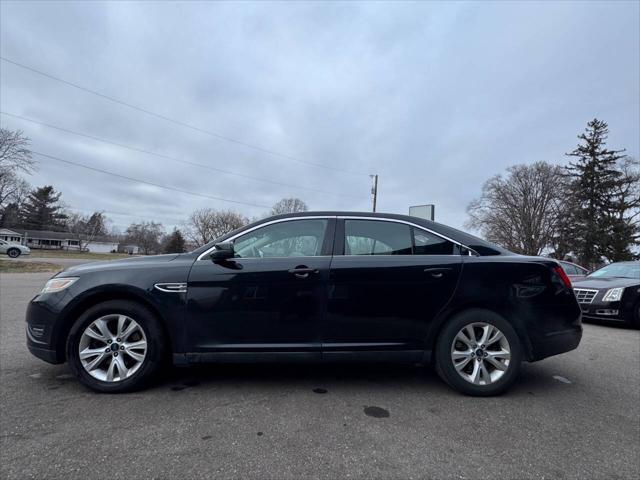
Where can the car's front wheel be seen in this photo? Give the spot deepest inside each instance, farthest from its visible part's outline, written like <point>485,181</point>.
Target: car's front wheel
<point>116,346</point>
<point>14,252</point>
<point>478,353</point>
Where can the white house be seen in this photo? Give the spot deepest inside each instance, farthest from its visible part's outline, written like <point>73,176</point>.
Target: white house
<point>98,245</point>
<point>10,236</point>
<point>49,240</point>
<point>130,249</point>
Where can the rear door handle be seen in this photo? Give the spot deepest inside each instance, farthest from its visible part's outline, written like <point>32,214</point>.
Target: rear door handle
<point>437,272</point>
<point>303,272</point>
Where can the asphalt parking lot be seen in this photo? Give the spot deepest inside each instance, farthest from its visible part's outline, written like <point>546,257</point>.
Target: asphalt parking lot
<point>572,416</point>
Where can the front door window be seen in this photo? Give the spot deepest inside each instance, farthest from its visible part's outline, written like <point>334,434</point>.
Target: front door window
<point>294,238</point>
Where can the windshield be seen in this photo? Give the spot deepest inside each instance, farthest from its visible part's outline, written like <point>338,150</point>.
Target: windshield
<point>620,270</point>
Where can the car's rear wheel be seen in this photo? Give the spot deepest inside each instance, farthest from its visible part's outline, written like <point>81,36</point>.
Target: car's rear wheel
<point>478,353</point>
<point>116,346</point>
<point>14,252</point>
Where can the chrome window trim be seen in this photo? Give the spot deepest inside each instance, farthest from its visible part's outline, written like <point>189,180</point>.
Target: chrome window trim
<point>169,287</point>
<point>409,255</point>
<point>349,217</point>
<point>280,220</point>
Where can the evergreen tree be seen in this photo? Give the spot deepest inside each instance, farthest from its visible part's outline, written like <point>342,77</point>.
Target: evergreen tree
<point>42,211</point>
<point>594,179</point>
<point>10,216</point>
<point>174,242</point>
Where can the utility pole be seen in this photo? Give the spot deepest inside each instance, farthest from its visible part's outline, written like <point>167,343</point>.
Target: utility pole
<point>374,190</point>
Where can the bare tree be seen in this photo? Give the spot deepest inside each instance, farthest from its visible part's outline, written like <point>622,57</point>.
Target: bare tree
<point>15,157</point>
<point>13,189</point>
<point>85,228</point>
<point>521,211</point>
<point>146,235</point>
<point>627,191</point>
<point>208,224</point>
<point>289,205</point>
<point>14,152</point>
<point>624,216</point>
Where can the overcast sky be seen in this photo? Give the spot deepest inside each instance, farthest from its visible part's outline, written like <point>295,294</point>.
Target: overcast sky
<point>434,97</point>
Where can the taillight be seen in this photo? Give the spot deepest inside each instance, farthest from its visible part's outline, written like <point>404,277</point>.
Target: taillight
<point>563,276</point>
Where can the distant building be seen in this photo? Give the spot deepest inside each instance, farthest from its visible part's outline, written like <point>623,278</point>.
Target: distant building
<point>10,236</point>
<point>48,240</point>
<point>130,249</point>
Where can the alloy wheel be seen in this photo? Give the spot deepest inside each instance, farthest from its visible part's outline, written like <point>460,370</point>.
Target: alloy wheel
<point>480,353</point>
<point>112,348</point>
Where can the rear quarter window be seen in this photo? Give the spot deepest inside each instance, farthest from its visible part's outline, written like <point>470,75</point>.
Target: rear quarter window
<point>426,243</point>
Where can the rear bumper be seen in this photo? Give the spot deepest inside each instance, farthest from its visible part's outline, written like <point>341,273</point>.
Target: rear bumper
<point>554,343</point>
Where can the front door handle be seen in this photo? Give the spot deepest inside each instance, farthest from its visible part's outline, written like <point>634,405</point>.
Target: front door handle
<point>436,272</point>
<point>303,272</point>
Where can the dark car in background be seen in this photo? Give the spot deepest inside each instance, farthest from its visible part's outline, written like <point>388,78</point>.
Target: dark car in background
<point>611,293</point>
<point>573,270</point>
<point>324,286</point>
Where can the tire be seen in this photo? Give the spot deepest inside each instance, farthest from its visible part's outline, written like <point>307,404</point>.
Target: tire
<point>489,380</point>
<point>14,252</point>
<point>138,371</point>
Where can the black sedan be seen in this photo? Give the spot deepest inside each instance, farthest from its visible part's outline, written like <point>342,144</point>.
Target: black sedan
<point>325,286</point>
<point>611,293</point>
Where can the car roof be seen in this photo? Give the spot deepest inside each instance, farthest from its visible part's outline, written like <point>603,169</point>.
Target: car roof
<point>481,246</point>
<point>573,263</point>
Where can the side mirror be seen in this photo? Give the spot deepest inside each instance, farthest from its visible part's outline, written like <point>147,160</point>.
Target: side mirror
<point>222,251</point>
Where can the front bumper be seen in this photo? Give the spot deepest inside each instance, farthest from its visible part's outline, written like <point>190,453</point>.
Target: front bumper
<point>603,311</point>
<point>41,335</point>
<point>49,356</point>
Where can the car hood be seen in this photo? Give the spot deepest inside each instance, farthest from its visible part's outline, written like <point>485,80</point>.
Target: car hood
<point>605,282</point>
<point>146,261</point>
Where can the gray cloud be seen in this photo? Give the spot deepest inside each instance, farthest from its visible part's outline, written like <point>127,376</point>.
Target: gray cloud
<point>435,97</point>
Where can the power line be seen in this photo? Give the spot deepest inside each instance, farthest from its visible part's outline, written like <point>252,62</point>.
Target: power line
<point>166,187</point>
<point>177,122</point>
<point>129,215</point>
<point>168,157</point>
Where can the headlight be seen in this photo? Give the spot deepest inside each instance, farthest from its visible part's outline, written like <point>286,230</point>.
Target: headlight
<point>58,284</point>
<point>613,295</point>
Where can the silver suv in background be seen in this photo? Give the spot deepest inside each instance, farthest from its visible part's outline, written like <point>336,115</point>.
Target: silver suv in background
<point>13,249</point>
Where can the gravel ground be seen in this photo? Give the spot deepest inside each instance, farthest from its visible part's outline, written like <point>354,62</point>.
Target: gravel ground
<point>572,416</point>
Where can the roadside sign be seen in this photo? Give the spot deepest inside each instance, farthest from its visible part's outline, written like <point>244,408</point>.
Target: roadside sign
<point>428,212</point>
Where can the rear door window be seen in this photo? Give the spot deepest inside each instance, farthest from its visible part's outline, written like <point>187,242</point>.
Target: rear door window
<point>374,237</point>
<point>377,237</point>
